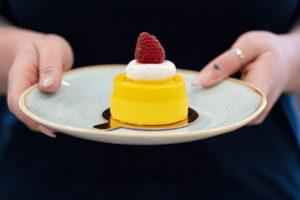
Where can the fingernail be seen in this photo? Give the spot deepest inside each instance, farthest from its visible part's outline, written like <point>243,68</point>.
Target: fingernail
<point>47,81</point>
<point>46,131</point>
<point>201,78</point>
<point>196,82</point>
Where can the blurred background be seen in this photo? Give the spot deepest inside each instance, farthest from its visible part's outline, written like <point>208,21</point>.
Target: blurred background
<point>298,101</point>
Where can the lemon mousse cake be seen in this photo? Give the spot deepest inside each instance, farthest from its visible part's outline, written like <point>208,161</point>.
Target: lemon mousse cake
<point>149,92</point>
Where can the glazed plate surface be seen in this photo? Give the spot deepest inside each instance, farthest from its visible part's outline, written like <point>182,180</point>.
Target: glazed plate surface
<point>85,94</point>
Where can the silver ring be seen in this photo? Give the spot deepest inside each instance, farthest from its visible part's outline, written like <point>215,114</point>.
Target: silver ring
<point>239,54</point>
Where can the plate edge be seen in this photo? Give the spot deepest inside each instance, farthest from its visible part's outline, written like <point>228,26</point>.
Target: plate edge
<point>207,133</point>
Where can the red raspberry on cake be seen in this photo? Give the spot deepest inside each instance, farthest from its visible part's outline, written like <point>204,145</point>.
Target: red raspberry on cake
<point>148,49</point>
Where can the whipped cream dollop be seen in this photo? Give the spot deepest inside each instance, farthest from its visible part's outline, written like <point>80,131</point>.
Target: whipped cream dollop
<point>151,71</point>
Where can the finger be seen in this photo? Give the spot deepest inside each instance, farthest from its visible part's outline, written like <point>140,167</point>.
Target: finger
<point>218,69</point>
<point>18,85</point>
<point>258,75</point>
<point>47,131</point>
<point>256,79</point>
<point>258,120</point>
<point>22,75</point>
<point>226,64</point>
<point>51,64</point>
<point>68,53</point>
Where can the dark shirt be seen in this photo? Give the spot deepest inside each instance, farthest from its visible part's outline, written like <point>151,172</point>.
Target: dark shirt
<point>254,162</point>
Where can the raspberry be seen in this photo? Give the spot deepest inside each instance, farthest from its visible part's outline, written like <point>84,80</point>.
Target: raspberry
<point>148,49</point>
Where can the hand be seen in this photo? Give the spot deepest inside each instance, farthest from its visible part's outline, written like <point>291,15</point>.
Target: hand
<point>267,66</point>
<point>37,58</point>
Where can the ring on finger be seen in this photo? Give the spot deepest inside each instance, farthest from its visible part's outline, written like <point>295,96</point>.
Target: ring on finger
<point>239,54</point>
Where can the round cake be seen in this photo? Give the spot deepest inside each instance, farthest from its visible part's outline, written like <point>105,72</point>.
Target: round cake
<point>150,92</point>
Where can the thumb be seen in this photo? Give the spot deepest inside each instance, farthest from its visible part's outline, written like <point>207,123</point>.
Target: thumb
<point>218,69</point>
<point>53,60</point>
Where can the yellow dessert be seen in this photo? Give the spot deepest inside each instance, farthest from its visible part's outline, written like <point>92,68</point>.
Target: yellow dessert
<point>150,92</point>
<point>149,103</point>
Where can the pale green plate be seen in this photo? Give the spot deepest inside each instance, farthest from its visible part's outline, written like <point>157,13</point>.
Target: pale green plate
<point>85,93</point>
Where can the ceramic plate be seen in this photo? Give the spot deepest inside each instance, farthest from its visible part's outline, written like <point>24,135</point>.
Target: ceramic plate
<point>85,93</point>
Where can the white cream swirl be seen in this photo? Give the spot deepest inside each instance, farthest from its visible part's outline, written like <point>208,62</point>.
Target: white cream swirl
<point>150,72</point>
